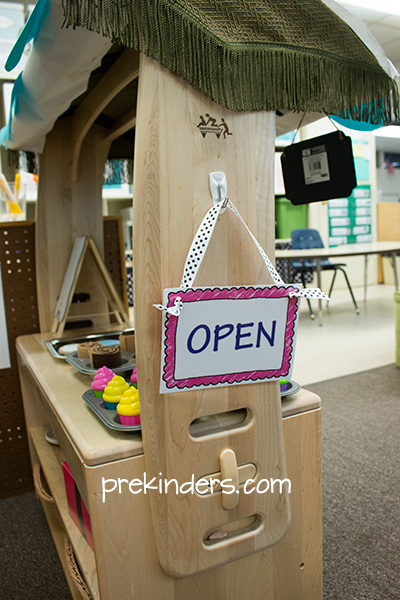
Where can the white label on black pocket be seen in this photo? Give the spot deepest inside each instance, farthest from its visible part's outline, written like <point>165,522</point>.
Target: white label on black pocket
<point>315,165</point>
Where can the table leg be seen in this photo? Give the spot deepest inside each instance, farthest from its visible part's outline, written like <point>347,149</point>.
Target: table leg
<point>318,260</point>
<point>365,277</point>
<point>396,280</point>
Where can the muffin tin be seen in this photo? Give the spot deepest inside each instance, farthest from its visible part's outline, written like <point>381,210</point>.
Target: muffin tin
<point>109,417</point>
<point>54,345</point>
<point>292,388</point>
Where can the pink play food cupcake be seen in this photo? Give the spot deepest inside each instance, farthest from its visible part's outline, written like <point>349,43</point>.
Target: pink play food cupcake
<point>102,377</point>
<point>129,407</point>
<point>134,378</point>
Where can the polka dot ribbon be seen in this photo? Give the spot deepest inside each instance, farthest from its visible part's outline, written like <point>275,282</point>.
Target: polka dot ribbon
<point>198,249</point>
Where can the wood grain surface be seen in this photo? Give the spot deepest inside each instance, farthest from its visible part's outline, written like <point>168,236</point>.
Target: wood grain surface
<point>64,211</point>
<point>173,160</point>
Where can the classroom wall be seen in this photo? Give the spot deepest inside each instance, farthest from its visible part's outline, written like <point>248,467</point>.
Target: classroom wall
<point>388,186</point>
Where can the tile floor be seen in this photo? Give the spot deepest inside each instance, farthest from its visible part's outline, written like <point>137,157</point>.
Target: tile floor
<point>346,342</point>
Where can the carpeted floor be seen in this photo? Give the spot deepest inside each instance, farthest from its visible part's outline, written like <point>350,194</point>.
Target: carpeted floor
<point>361,502</point>
<point>29,565</point>
<point>361,485</point>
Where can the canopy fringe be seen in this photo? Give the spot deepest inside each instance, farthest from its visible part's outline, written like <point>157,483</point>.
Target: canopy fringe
<point>238,75</point>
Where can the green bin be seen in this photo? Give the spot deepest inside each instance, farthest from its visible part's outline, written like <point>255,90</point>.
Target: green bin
<point>397,321</point>
<point>289,217</point>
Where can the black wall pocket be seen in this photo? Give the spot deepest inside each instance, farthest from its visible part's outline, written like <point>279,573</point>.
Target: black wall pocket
<point>319,169</point>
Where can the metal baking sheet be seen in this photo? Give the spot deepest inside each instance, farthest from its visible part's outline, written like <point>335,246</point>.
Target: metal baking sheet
<point>109,417</point>
<point>293,388</point>
<point>54,345</point>
<point>84,365</point>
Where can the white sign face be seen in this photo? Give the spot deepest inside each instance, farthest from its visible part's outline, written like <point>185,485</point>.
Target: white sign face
<point>226,336</point>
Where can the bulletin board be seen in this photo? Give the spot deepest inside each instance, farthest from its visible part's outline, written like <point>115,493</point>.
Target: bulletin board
<point>17,259</point>
<point>350,219</point>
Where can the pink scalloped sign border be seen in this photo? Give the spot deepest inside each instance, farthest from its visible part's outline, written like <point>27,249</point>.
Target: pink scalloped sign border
<point>168,381</point>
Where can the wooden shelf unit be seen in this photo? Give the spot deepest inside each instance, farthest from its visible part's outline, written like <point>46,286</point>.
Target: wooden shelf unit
<point>51,459</point>
<point>125,554</point>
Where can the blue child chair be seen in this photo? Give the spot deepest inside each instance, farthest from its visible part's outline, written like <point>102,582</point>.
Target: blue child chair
<point>310,238</point>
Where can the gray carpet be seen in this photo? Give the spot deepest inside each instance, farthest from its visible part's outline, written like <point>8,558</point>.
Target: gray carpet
<point>361,502</point>
<point>361,485</point>
<point>29,565</point>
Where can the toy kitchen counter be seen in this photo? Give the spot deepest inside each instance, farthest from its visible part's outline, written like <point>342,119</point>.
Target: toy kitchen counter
<point>109,474</point>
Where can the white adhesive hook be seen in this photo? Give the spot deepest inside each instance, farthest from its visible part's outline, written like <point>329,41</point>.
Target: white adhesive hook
<point>218,187</point>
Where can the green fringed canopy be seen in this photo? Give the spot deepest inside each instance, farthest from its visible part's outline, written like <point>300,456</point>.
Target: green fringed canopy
<point>252,55</point>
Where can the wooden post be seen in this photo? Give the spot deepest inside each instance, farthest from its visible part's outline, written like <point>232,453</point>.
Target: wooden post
<point>173,159</point>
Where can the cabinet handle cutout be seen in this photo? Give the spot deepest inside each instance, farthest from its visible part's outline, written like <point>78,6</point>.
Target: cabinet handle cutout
<point>233,531</point>
<point>219,423</point>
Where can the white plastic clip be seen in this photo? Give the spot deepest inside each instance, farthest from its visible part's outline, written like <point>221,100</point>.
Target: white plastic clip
<point>218,187</point>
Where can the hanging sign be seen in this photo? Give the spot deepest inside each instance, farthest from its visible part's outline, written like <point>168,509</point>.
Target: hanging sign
<point>219,336</point>
<point>226,335</point>
<point>319,169</point>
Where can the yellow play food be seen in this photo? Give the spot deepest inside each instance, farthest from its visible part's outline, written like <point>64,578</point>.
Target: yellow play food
<point>129,403</point>
<point>114,389</point>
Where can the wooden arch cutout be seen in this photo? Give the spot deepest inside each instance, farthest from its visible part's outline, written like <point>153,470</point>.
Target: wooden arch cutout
<point>123,72</point>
